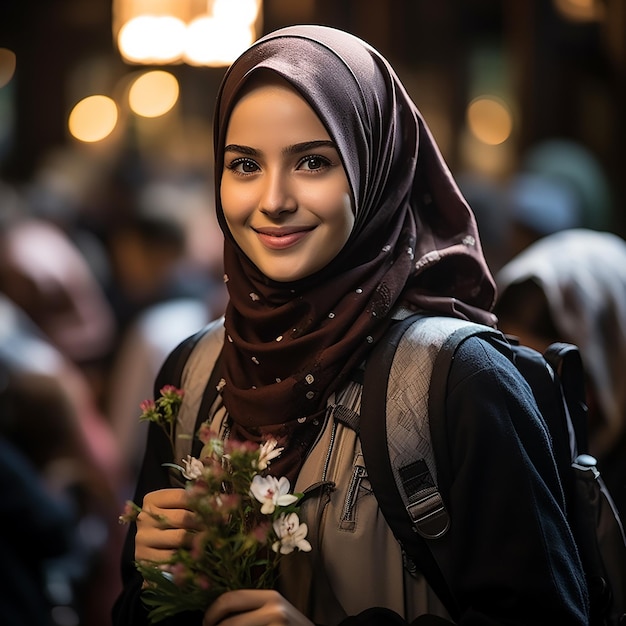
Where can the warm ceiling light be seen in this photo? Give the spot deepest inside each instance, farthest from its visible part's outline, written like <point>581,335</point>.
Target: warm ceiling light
<point>198,32</point>
<point>152,39</point>
<point>93,118</point>
<point>242,11</point>
<point>211,41</point>
<point>153,94</point>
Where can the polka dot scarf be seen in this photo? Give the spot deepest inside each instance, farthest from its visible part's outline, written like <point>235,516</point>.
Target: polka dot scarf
<point>289,346</point>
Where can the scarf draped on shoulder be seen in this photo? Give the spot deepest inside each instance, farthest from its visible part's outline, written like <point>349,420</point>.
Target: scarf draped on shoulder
<point>415,243</point>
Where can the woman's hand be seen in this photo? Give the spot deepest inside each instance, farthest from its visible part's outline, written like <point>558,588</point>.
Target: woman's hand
<point>253,607</point>
<point>157,540</point>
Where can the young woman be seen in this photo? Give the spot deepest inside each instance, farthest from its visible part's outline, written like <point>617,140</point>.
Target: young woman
<point>339,216</point>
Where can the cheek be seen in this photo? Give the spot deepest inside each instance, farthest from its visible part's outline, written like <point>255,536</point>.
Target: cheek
<point>344,217</point>
<point>234,203</point>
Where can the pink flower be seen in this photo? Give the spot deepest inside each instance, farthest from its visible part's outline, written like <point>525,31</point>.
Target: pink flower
<point>228,502</point>
<point>172,393</point>
<point>261,532</point>
<point>204,433</point>
<point>232,446</point>
<point>202,582</point>
<point>147,405</point>
<point>180,573</point>
<point>197,545</point>
<point>131,511</point>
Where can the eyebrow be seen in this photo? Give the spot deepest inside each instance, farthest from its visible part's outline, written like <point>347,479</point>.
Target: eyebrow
<point>297,148</point>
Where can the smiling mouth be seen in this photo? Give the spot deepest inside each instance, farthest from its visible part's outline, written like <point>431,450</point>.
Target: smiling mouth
<point>281,238</point>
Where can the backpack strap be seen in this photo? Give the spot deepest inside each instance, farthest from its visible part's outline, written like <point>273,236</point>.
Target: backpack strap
<point>595,519</point>
<point>403,473</point>
<point>373,431</point>
<point>439,389</point>
<point>565,360</point>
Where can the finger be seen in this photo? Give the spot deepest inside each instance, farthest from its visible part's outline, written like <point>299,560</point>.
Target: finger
<point>161,545</point>
<point>168,518</point>
<point>247,607</point>
<point>170,539</point>
<point>166,499</point>
<point>152,555</point>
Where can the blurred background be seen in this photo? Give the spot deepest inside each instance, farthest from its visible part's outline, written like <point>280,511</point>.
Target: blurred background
<point>110,252</point>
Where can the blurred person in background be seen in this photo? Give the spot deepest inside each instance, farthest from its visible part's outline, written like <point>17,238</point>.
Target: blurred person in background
<point>50,422</point>
<point>47,276</point>
<point>167,258</point>
<point>571,286</point>
<point>36,588</point>
<point>537,206</point>
<point>560,185</point>
<point>162,242</point>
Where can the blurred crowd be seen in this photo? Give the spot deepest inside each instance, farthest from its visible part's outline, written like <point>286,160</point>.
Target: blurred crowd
<point>98,283</point>
<point>102,275</point>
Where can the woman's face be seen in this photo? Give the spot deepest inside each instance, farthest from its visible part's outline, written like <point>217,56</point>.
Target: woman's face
<point>285,194</point>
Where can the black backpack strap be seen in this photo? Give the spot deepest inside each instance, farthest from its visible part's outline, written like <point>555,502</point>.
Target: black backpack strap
<point>373,431</point>
<point>565,360</point>
<point>594,511</point>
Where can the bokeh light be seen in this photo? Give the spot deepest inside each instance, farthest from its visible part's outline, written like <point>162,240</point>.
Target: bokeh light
<point>580,10</point>
<point>243,11</point>
<point>197,32</point>
<point>153,94</point>
<point>7,66</point>
<point>212,41</point>
<point>93,118</point>
<point>489,120</point>
<point>152,39</point>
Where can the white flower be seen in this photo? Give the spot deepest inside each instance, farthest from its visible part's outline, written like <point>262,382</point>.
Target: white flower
<point>271,492</point>
<point>291,534</point>
<point>268,452</point>
<point>193,468</point>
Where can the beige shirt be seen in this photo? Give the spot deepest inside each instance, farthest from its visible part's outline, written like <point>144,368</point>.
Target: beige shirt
<point>355,562</point>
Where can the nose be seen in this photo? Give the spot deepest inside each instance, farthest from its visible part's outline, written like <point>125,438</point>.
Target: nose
<point>277,196</point>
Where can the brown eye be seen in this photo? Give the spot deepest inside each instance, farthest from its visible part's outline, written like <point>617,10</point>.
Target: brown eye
<point>313,163</point>
<point>243,166</point>
<point>248,166</point>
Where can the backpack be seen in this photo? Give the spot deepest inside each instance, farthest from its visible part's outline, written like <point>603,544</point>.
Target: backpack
<point>413,502</point>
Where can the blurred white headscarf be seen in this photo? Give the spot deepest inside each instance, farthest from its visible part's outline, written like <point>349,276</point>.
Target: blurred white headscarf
<point>583,276</point>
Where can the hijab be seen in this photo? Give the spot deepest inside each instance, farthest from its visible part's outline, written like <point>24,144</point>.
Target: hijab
<point>582,274</point>
<point>414,243</point>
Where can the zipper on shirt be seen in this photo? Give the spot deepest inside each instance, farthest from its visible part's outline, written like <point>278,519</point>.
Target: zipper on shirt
<point>348,517</point>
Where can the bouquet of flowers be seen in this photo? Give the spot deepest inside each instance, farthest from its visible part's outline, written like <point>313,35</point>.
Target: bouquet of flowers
<point>247,521</point>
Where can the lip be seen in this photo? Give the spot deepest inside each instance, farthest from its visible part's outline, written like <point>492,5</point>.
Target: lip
<point>280,238</point>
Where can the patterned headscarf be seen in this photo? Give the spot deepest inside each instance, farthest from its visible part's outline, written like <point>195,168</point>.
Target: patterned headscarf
<point>414,241</point>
